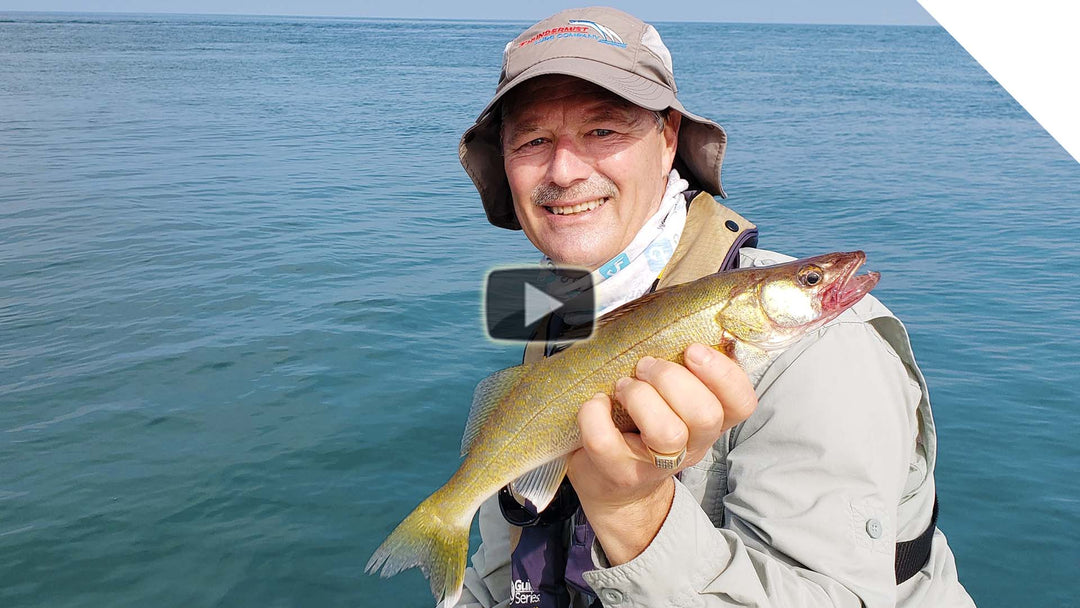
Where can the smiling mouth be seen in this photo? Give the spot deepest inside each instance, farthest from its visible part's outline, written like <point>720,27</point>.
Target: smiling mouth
<point>578,208</point>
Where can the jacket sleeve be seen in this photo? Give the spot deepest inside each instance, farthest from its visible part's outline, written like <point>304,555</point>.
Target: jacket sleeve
<point>813,487</point>
<point>487,579</point>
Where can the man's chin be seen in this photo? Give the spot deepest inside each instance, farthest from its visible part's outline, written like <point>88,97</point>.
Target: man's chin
<point>580,258</point>
<point>586,249</point>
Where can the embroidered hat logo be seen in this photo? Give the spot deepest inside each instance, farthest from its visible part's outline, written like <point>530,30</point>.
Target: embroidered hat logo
<point>578,28</point>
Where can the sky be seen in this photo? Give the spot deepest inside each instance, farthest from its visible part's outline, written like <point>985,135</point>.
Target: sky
<point>884,12</point>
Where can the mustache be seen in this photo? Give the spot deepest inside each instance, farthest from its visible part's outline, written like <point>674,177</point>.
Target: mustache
<point>596,187</point>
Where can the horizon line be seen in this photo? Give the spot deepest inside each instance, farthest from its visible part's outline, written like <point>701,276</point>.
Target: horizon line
<point>437,19</point>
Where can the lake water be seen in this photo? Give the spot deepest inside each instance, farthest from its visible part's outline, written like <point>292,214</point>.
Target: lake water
<point>240,270</point>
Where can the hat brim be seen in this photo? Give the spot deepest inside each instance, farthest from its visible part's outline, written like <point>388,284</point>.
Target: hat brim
<point>701,141</point>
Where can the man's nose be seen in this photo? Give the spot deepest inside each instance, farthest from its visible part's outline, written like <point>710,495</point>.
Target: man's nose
<point>568,164</point>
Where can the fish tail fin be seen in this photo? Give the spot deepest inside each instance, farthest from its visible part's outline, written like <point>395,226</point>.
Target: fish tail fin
<point>438,546</point>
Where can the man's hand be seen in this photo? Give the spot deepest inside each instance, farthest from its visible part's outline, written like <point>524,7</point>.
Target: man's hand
<point>624,495</point>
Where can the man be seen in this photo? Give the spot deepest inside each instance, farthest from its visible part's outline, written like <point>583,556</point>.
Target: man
<point>796,488</point>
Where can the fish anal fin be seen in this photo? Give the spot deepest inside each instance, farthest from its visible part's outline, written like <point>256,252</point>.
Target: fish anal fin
<point>488,394</point>
<point>539,485</point>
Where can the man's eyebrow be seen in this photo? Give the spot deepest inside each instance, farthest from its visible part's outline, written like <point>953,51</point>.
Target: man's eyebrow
<point>526,126</point>
<point>603,113</point>
<point>610,113</point>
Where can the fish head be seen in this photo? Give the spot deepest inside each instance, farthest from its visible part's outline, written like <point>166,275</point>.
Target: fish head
<point>782,303</point>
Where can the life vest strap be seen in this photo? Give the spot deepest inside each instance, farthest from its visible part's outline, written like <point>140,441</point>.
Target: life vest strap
<point>912,555</point>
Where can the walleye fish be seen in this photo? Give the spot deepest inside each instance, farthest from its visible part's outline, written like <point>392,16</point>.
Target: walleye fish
<point>523,422</point>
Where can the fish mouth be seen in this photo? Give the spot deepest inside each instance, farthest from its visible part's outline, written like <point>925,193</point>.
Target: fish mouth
<point>850,288</point>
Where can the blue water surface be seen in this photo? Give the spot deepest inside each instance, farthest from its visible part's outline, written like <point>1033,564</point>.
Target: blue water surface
<point>240,270</point>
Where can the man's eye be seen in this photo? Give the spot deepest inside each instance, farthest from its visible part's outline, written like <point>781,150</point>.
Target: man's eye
<point>602,132</point>
<point>539,141</point>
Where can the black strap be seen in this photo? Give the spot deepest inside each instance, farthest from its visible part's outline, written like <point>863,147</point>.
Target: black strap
<point>912,555</point>
<point>561,508</point>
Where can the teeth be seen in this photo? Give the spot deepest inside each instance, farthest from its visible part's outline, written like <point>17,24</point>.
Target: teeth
<point>567,210</point>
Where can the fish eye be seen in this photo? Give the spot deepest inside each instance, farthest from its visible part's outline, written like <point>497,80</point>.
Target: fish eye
<point>810,275</point>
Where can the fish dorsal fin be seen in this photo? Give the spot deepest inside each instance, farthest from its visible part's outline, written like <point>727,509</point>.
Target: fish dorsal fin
<point>632,306</point>
<point>539,485</point>
<point>489,392</point>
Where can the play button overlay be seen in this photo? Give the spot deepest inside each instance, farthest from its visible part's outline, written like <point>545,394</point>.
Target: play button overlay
<point>539,304</point>
<point>518,301</point>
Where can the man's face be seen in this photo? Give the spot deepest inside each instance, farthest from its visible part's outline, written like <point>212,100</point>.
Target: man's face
<point>586,168</point>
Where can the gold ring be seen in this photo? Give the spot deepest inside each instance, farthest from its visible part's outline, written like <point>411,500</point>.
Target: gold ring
<point>667,461</point>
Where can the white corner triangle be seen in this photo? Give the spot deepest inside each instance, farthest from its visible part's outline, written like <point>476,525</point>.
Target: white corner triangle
<point>1031,48</point>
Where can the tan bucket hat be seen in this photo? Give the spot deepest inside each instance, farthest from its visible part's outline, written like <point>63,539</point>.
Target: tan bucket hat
<point>606,47</point>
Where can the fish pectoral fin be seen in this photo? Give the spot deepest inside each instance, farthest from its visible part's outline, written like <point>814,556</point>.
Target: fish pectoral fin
<point>726,346</point>
<point>539,485</point>
<point>489,392</point>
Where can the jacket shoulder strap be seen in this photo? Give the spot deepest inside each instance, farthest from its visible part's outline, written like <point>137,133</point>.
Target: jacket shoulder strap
<point>710,241</point>
<point>535,349</point>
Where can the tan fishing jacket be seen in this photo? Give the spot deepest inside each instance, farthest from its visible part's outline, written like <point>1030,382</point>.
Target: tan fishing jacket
<point>802,504</point>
